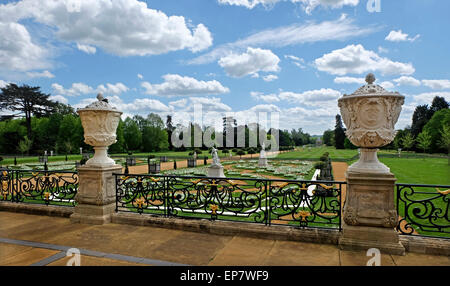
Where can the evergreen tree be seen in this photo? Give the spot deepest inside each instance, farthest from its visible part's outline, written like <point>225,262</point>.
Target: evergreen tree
<point>339,133</point>
<point>28,101</point>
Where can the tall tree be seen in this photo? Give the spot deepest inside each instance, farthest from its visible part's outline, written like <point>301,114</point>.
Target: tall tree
<point>444,142</point>
<point>339,133</point>
<point>27,101</point>
<point>420,118</point>
<point>328,137</point>
<point>438,103</point>
<point>169,129</point>
<point>408,141</point>
<point>132,134</point>
<point>424,141</point>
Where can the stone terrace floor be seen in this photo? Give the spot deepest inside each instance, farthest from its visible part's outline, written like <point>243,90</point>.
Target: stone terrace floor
<point>41,240</point>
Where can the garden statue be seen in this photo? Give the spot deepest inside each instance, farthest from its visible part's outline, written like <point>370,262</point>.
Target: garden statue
<point>215,157</point>
<point>195,155</point>
<point>216,169</point>
<point>369,214</point>
<point>262,162</point>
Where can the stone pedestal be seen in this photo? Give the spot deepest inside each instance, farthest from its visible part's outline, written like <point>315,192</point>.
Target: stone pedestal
<point>96,195</point>
<point>262,162</point>
<point>216,171</point>
<point>369,213</point>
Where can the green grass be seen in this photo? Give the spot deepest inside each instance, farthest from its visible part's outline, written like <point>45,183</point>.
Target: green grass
<point>317,152</point>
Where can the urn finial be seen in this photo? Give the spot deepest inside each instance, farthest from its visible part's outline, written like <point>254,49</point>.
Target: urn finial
<point>370,78</point>
<point>100,97</point>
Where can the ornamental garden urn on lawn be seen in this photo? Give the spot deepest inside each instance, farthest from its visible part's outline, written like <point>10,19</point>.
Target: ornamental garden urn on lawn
<point>370,216</point>
<point>100,121</point>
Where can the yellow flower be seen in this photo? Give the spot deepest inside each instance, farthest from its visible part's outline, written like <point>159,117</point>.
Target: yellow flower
<point>214,209</point>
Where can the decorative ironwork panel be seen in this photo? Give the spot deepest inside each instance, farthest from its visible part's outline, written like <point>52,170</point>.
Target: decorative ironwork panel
<point>46,187</point>
<point>264,201</point>
<point>301,204</point>
<point>6,185</point>
<point>423,210</point>
<point>140,193</point>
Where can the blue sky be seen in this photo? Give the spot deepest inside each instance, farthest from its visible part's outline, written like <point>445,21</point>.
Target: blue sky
<point>294,58</point>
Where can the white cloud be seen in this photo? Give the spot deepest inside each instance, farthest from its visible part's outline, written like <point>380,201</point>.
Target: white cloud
<point>347,79</point>
<point>354,59</point>
<point>382,50</point>
<point>179,103</point>
<point>250,62</point>
<point>265,108</point>
<point>399,36</point>
<point>269,98</point>
<point>308,5</point>
<point>58,98</point>
<point>213,104</point>
<point>3,83</point>
<point>77,89</point>
<point>291,35</point>
<point>270,77</point>
<point>407,80</point>
<point>45,74</point>
<point>437,83</point>
<point>140,30</point>
<point>140,76</point>
<point>317,97</point>
<point>80,88</point>
<point>87,49</point>
<point>117,88</point>
<point>387,85</point>
<point>18,53</point>
<point>427,97</point>
<point>300,62</point>
<point>176,85</point>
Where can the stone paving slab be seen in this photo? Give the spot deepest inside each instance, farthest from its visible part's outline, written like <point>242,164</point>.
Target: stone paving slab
<point>115,244</point>
<point>95,261</point>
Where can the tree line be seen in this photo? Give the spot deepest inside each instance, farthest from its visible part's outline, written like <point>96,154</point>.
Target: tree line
<point>39,124</point>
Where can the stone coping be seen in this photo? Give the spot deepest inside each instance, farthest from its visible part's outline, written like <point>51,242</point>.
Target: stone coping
<point>414,244</point>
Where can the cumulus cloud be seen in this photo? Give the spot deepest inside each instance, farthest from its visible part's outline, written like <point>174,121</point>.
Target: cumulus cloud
<point>80,88</point>
<point>387,85</point>
<point>177,85</point>
<point>250,62</point>
<point>399,36</point>
<point>119,27</point>
<point>45,74</point>
<point>18,52</point>
<point>270,77</point>
<point>355,59</point>
<point>269,98</point>
<point>437,83</point>
<point>87,49</point>
<point>58,98</point>
<point>290,35</point>
<point>140,76</point>
<point>407,80</point>
<point>427,97</point>
<point>347,79</point>
<point>316,97</point>
<point>307,5</point>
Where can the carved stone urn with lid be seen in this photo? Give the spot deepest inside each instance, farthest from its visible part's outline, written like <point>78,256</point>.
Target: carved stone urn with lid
<point>370,114</point>
<point>100,121</point>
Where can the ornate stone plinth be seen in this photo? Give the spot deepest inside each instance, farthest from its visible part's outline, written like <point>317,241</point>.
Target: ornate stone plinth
<point>369,213</point>
<point>370,114</point>
<point>96,195</point>
<point>216,171</point>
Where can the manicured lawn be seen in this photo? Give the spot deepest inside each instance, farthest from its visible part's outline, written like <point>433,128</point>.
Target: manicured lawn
<point>433,171</point>
<point>316,152</point>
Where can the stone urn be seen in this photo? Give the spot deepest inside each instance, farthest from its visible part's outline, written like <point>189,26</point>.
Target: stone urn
<point>370,115</point>
<point>100,121</point>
